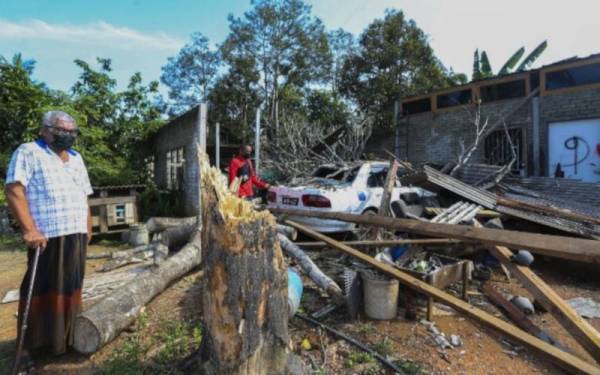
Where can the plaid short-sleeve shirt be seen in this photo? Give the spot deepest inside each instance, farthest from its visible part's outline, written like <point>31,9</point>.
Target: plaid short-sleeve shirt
<point>56,191</point>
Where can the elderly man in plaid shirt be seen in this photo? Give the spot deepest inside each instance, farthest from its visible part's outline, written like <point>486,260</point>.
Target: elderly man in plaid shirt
<point>47,187</point>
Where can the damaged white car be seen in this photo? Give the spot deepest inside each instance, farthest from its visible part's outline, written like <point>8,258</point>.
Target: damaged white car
<point>356,189</point>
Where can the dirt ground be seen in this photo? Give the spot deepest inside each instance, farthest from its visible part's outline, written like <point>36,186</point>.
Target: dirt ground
<point>169,331</point>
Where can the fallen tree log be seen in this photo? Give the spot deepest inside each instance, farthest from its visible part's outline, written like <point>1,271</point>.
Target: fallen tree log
<point>565,360</point>
<point>289,232</point>
<point>115,263</point>
<point>102,322</point>
<point>177,236</point>
<point>244,290</point>
<point>323,281</point>
<point>555,246</point>
<point>158,224</point>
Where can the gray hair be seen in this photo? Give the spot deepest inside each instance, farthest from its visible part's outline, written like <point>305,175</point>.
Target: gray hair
<point>51,118</point>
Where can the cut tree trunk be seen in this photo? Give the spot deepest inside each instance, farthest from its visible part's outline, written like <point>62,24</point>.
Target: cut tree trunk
<point>177,236</point>
<point>323,281</point>
<point>102,322</point>
<point>158,224</point>
<point>245,307</point>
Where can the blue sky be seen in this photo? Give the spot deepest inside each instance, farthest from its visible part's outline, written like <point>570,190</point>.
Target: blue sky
<point>139,35</point>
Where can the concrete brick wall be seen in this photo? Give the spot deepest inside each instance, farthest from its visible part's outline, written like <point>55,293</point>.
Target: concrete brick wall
<point>566,106</point>
<point>180,133</point>
<point>435,137</point>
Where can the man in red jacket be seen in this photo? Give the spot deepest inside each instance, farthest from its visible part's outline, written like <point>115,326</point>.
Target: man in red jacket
<point>241,167</point>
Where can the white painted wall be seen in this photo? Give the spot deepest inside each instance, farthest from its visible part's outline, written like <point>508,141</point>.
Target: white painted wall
<point>576,146</point>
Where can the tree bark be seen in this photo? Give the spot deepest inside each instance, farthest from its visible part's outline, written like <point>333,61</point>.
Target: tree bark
<point>289,232</point>
<point>102,322</point>
<point>158,224</point>
<point>245,309</point>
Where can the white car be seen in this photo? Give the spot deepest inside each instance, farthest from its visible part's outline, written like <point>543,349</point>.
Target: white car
<point>357,189</point>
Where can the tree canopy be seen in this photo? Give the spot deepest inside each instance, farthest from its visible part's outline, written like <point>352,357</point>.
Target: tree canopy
<point>393,59</point>
<point>113,124</point>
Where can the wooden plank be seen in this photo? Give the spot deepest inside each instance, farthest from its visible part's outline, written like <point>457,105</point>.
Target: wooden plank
<point>565,360</point>
<point>388,188</point>
<point>555,246</point>
<point>382,243</point>
<point>585,334</point>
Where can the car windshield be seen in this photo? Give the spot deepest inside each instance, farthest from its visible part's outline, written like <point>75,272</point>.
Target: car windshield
<point>336,173</point>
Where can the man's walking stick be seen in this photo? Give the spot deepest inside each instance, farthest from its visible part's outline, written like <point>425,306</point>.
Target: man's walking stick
<point>21,338</point>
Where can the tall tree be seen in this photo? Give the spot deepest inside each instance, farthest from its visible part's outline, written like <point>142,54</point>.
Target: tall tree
<point>342,45</point>
<point>476,66</point>
<point>394,59</point>
<point>190,75</point>
<point>113,124</point>
<point>281,41</point>
<point>486,67</point>
<point>21,103</point>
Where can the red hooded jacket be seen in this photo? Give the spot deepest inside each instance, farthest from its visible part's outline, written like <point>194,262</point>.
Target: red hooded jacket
<point>243,169</point>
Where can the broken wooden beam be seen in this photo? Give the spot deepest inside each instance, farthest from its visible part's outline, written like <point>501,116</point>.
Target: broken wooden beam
<point>555,246</point>
<point>565,360</point>
<point>385,243</point>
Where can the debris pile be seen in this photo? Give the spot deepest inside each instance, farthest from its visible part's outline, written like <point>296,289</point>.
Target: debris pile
<point>475,210</point>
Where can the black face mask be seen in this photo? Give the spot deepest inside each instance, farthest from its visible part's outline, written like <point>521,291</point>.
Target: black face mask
<point>63,141</point>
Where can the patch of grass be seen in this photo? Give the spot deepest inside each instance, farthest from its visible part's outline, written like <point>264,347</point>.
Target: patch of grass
<point>409,367</point>
<point>384,347</point>
<point>12,243</point>
<point>357,358</point>
<point>366,328</point>
<point>178,339</point>
<point>127,360</point>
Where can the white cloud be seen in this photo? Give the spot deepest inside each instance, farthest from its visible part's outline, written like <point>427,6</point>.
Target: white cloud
<point>97,33</point>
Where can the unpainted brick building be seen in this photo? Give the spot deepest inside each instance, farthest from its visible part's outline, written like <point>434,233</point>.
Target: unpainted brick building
<point>174,159</point>
<point>552,115</point>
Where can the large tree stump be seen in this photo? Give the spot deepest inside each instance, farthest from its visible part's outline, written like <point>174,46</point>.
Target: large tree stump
<point>245,312</point>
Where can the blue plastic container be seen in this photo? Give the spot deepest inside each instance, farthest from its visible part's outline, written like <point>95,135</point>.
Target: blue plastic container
<point>295,288</point>
<point>397,251</point>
